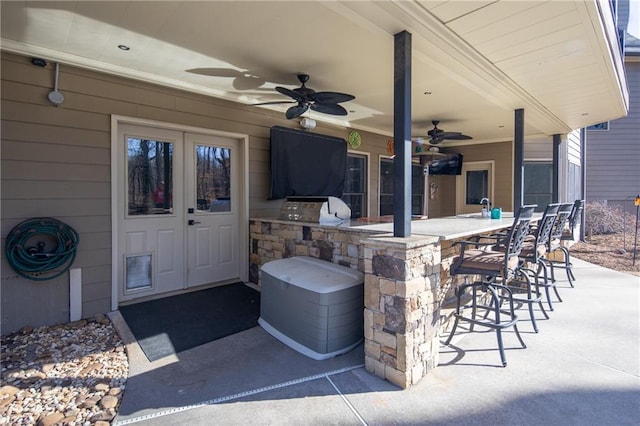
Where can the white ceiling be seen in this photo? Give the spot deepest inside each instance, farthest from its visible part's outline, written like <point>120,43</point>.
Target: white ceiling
<point>478,60</point>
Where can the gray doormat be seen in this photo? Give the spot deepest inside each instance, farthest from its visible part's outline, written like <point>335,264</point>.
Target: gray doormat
<point>174,324</point>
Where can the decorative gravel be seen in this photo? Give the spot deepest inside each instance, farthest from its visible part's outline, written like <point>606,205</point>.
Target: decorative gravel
<point>71,374</point>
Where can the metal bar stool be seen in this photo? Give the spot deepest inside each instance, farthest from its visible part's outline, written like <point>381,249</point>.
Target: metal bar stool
<point>562,219</point>
<point>561,234</point>
<point>533,251</point>
<point>496,268</point>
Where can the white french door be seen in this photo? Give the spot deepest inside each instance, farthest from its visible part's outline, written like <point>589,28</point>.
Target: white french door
<point>179,210</point>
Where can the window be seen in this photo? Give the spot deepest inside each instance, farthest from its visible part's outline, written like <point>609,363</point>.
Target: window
<point>538,183</point>
<point>386,188</point>
<point>149,176</point>
<point>600,127</point>
<point>477,186</point>
<point>355,185</point>
<point>213,178</point>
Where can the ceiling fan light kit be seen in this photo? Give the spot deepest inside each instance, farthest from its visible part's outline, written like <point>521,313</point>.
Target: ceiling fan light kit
<point>305,98</point>
<point>308,123</point>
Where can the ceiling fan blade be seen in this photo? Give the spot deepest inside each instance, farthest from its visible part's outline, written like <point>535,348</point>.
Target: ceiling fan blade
<point>275,103</point>
<point>330,97</point>
<point>292,94</point>
<point>454,136</point>
<point>333,109</point>
<point>296,111</point>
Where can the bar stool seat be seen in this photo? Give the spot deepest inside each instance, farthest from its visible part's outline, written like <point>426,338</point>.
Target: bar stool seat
<point>495,269</point>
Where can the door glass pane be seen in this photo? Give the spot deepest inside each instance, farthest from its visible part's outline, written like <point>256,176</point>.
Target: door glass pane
<point>477,186</point>
<point>149,177</point>
<point>213,179</point>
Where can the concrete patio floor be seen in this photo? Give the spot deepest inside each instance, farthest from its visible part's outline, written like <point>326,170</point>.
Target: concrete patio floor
<point>582,368</point>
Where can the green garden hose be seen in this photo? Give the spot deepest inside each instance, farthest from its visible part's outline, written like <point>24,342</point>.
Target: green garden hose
<point>41,248</point>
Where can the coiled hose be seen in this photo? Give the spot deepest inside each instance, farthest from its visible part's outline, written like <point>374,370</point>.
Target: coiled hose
<point>26,243</point>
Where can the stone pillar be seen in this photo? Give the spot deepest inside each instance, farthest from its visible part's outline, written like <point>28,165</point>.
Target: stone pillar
<point>401,315</point>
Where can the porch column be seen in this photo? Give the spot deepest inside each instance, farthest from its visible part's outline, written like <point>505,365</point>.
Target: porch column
<point>401,314</point>
<point>518,160</point>
<point>555,178</point>
<point>402,135</point>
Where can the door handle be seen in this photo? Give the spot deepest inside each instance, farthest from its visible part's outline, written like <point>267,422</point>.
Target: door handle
<point>192,222</point>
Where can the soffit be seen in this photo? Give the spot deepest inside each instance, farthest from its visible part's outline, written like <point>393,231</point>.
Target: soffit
<point>480,60</point>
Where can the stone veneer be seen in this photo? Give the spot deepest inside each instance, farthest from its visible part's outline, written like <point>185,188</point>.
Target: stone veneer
<point>409,295</point>
<point>272,239</point>
<point>401,316</point>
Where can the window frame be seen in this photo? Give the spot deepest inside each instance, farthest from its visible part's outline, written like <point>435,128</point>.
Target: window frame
<point>365,195</point>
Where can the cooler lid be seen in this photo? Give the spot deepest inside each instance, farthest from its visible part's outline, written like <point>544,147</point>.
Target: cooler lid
<point>313,274</point>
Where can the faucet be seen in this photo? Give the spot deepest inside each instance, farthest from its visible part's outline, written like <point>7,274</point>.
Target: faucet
<point>486,206</point>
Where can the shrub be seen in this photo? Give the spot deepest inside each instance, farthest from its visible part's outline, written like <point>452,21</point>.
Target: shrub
<point>601,218</point>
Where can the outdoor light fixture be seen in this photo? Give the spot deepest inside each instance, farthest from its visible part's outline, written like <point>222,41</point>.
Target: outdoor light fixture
<point>308,123</point>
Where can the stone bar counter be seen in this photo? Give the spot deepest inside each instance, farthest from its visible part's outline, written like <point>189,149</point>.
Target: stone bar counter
<point>407,289</point>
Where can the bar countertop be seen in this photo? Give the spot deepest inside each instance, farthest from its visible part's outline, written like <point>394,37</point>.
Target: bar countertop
<point>450,227</point>
<point>445,228</point>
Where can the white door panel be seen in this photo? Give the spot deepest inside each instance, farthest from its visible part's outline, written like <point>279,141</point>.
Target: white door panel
<point>152,227</point>
<point>213,198</point>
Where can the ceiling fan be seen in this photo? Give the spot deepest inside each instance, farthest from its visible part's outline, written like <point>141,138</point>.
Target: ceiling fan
<point>305,98</point>
<point>437,136</point>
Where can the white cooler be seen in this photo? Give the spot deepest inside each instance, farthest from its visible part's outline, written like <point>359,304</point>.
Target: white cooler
<point>313,306</point>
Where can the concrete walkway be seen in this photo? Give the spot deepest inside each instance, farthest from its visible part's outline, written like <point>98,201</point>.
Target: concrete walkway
<point>582,368</point>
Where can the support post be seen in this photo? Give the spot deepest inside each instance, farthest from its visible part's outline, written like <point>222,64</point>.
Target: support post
<point>402,135</point>
<point>583,179</point>
<point>555,178</point>
<point>518,160</point>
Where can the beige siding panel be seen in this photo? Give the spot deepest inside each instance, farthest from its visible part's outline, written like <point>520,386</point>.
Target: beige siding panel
<point>82,224</point>
<point>96,240</point>
<point>55,207</point>
<point>47,152</point>
<point>501,153</point>
<point>26,302</point>
<point>59,116</point>
<point>89,258</point>
<point>35,189</point>
<point>19,68</point>
<point>538,149</point>
<point>95,307</point>
<point>125,91</point>
<point>95,291</point>
<point>22,170</point>
<point>34,132</point>
<point>97,275</point>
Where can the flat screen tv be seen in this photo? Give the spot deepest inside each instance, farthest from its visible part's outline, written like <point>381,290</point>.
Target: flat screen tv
<point>449,165</point>
<point>306,164</point>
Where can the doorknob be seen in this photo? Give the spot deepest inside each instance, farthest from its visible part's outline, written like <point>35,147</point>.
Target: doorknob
<point>192,222</point>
